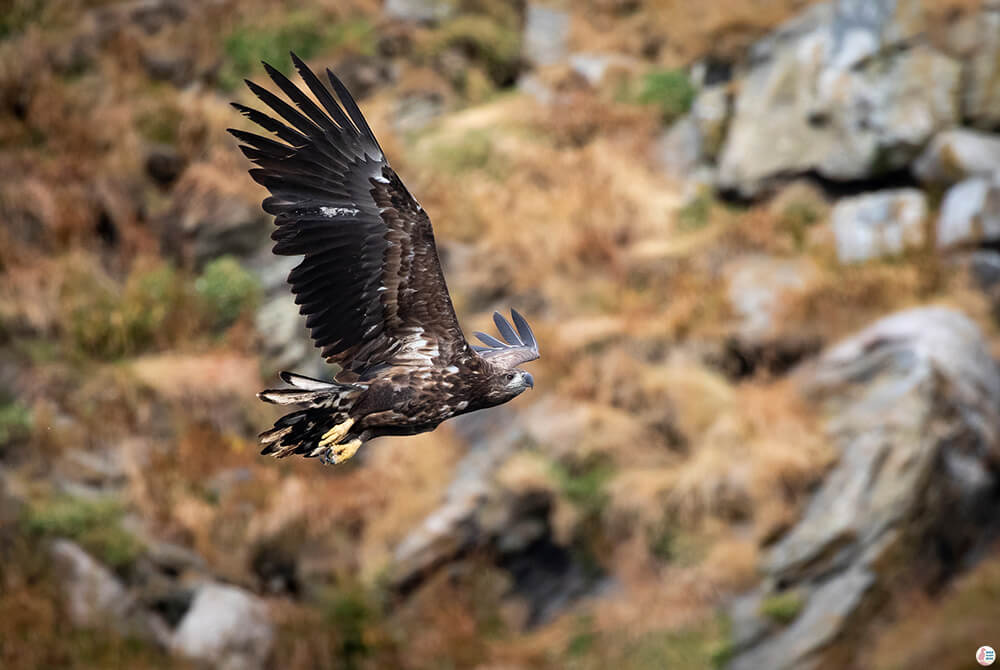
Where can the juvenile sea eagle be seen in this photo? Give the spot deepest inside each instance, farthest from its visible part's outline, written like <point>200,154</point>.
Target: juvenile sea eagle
<point>370,284</point>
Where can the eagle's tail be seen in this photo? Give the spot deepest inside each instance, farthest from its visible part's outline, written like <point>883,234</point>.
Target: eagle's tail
<point>313,430</point>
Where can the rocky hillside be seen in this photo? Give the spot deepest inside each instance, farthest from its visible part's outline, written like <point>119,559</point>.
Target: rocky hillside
<point>758,242</point>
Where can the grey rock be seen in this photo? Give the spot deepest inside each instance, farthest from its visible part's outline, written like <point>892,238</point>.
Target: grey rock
<point>96,598</point>
<point>93,594</point>
<point>226,627</point>
<point>820,623</point>
<point>913,406</point>
<point>879,224</point>
<point>958,154</point>
<point>678,151</point>
<point>423,11</point>
<point>546,31</point>
<point>985,268</point>
<point>453,526</point>
<point>284,337</point>
<point>970,213</point>
<point>840,91</point>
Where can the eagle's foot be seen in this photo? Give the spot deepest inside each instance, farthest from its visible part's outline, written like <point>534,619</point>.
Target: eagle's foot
<point>337,433</point>
<point>339,453</point>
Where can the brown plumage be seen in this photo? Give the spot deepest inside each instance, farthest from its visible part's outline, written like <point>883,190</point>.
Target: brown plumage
<point>370,283</point>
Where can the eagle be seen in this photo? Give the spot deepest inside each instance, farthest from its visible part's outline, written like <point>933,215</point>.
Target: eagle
<point>369,283</point>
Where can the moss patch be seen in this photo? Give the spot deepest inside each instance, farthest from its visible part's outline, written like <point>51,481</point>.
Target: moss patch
<point>784,607</point>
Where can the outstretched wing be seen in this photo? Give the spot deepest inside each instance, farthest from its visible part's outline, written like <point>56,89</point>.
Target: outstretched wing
<point>520,345</point>
<point>370,282</point>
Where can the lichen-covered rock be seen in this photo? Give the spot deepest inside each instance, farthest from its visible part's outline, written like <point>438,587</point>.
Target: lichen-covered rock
<point>879,224</point>
<point>226,627</point>
<point>913,406</point>
<point>839,90</point>
<point>958,154</point>
<point>970,213</point>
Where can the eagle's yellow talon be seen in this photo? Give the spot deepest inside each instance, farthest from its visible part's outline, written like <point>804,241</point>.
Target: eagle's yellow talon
<point>336,433</point>
<point>344,452</point>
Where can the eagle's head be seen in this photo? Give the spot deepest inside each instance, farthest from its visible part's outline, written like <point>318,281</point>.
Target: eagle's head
<point>510,384</point>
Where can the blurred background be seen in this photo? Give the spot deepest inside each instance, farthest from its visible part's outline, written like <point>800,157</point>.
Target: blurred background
<point>758,240</point>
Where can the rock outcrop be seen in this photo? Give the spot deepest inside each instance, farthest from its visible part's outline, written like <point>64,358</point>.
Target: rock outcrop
<point>913,405</point>
<point>844,90</point>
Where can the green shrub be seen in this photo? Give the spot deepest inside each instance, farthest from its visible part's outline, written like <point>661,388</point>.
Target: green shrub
<point>108,321</point>
<point>782,607</point>
<point>94,523</point>
<point>670,90</point>
<point>348,612</point>
<point>226,290</point>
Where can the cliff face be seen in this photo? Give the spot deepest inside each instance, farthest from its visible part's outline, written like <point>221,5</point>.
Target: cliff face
<point>758,244</point>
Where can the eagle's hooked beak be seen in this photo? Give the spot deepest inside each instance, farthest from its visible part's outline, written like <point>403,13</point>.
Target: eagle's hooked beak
<point>529,379</point>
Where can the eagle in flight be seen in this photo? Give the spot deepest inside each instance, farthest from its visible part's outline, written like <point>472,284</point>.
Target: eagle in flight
<point>370,283</point>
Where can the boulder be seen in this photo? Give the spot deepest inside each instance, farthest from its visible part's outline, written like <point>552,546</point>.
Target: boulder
<point>546,31</point>
<point>970,213</point>
<point>958,154</point>
<point>212,216</point>
<point>879,224</point>
<point>841,90</point>
<point>96,598</point>
<point>912,404</point>
<point>226,627</point>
